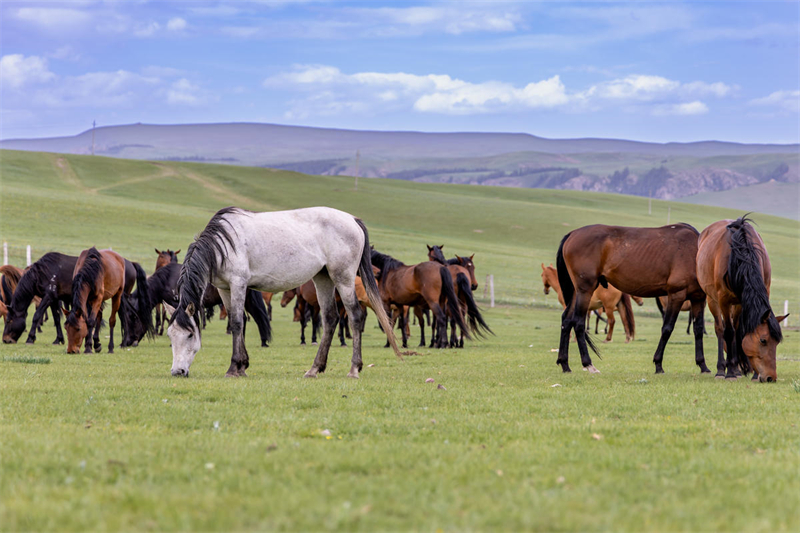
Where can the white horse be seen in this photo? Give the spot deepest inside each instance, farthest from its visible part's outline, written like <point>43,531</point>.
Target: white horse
<point>274,252</point>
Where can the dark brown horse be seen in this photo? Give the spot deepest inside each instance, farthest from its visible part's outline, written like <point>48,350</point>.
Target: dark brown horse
<point>9,278</point>
<point>164,257</point>
<point>308,308</point>
<point>100,276</point>
<point>644,262</point>
<point>427,283</point>
<point>733,269</point>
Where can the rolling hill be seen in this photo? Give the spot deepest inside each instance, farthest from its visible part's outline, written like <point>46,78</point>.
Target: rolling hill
<point>667,171</point>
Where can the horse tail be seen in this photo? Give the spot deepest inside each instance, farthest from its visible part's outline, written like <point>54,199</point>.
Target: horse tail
<point>452,301</point>
<point>254,304</point>
<point>144,310</point>
<point>371,286</point>
<point>567,288</point>
<point>476,322</point>
<point>626,309</point>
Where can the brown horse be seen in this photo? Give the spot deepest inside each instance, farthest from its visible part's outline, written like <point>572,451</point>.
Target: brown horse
<point>9,278</point>
<point>100,276</point>
<point>164,258</point>
<point>424,283</point>
<point>644,262</point>
<point>733,269</point>
<point>307,306</point>
<point>603,298</point>
<point>661,302</point>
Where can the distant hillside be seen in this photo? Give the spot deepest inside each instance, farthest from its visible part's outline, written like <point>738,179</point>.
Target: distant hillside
<point>779,199</point>
<point>670,170</point>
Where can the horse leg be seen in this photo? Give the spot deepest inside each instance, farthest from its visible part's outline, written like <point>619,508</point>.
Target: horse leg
<point>696,313</point>
<point>671,311</point>
<point>418,316</point>
<point>580,311</point>
<point>87,349</point>
<point>158,320</point>
<point>402,325</point>
<point>330,315</point>
<point>341,319</point>
<point>112,320</point>
<point>54,308</point>
<point>37,320</point>
<point>611,321</point>
<point>234,298</point>
<point>730,343</point>
<point>356,317</point>
<point>440,318</point>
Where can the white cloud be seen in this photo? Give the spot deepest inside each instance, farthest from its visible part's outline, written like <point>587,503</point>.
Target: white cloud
<point>687,108</point>
<point>97,89</point>
<point>65,53</point>
<point>785,100</point>
<point>53,18</point>
<point>184,92</point>
<point>424,19</point>
<point>176,24</point>
<point>646,88</point>
<point>146,30</point>
<point>16,71</point>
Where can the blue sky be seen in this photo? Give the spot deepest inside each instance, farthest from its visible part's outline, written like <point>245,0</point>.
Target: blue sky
<point>648,71</point>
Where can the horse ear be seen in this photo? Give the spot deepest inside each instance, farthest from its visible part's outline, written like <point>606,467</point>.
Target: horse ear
<point>543,267</point>
<point>157,252</point>
<point>781,318</point>
<point>177,252</point>
<point>190,309</point>
<point>441,247</point>
<point>78,312</point>
<point>430,249</point>
<point>460,260</point>
<point>551,265</point>
<point>470,257</point>
<point>169,308</point>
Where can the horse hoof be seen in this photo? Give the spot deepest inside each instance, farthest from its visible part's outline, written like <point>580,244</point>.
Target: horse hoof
<point>352,375</point>
<point>310,374</point>
<point>720,376</point>
<point>592,369</point>
<point>231,375</point>
<point>29,342</point>
<point>606,341</point>
<point>313,344</point>
<point>734,378</point>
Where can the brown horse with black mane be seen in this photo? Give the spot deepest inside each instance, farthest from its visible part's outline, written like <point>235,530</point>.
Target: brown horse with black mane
<point>644,262</point>
<point>164,257</point>
<point>733,269</point>
<point>100,276</point>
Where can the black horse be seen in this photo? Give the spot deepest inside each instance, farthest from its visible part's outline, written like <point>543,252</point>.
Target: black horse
<point>49,278</point>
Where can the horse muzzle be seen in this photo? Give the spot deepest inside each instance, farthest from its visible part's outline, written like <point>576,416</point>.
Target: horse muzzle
<point>9,340</point>
<point>767,379</point>
<point>180,373</point>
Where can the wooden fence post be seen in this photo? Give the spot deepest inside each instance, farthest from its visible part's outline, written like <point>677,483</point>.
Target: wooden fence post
<point>785,312</point>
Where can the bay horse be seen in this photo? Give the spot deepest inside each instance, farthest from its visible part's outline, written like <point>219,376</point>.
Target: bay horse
<point>607,299</point>
<point>307,308</point>
<point>277,251</point>
<point>462,270</point>
<point>424,283</point>
<point>734,270</point>
<point>661,301</point>
<point>9,278</point>
<point>644,262</point>
<point>49,278</point>
<point>100,276</point>
<point>164,258</point>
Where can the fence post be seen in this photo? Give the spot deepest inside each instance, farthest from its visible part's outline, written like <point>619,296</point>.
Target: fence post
<point>491,289</point>
<point>785,312</point>
<point>5,253</point>
<point>485,286</point>
<point>28,255</point>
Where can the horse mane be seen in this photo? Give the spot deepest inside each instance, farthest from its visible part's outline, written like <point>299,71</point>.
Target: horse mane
<point>88,274</point>
<point>37,275</point>
<point>688,226</point>
<point>457,260</point>
<point>385,262</point>
<point>11,276</point>
<point>746,280</point>
<point>200,263</point>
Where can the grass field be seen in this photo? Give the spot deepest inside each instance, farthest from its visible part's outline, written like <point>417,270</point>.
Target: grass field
<point>113,442</point>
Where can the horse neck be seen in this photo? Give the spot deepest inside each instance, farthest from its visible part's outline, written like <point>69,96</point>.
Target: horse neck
<point>552,279</point>
<point>27,289</point>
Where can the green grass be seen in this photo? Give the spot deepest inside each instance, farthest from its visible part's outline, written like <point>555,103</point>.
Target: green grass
<point>113,442</point>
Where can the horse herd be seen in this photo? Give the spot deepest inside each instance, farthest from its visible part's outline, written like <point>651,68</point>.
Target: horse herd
<point>322,259</point>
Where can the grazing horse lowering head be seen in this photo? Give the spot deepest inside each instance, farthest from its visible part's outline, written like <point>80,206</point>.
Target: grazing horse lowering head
<point>287,297</point>
<point>761,346</point>
<point>548,277</point>
<point>77,328</point>
<point>184,334</point>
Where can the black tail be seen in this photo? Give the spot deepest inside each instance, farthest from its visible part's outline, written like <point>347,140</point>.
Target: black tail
<point>144,310</point>
<point>452,302</point>
<point>254,304</point>
<point>625,308</point>
<point>476,322</point>
<point>568,289</point>
<point>373,294</point>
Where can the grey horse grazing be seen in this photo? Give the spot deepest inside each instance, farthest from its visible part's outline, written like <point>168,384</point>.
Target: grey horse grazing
<point>274,252</point>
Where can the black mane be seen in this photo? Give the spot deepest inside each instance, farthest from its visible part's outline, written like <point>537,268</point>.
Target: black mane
<point>746,280</point>
<point>386,263</point>
<point>87,275</point>
<point>438,255</point>
<point>36,277</point>
<point>200,263</point>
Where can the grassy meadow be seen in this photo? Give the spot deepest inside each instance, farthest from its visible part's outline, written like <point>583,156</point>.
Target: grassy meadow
<point>114,443</point>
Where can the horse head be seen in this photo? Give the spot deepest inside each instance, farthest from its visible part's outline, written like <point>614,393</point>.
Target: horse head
<point>761,345</point>
<point>184,335</point>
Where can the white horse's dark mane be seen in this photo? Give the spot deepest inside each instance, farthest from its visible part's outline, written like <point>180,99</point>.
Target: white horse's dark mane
<point>200,264</point>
